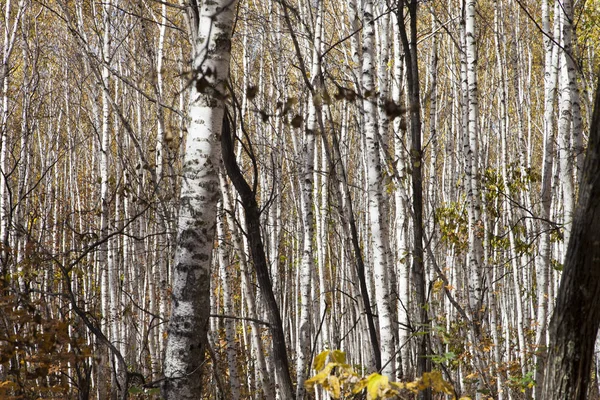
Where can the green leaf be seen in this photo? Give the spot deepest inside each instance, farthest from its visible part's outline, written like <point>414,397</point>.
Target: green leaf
<point>135,390</point>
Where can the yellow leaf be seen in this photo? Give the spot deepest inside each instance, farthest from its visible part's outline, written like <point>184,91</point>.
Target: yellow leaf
<point>320,378</point>
<point>338,356</point>
<point>359,386</point>
<point>398,386</point>
<point>437,286</point>
<point>436,382</point>
<point>334,386</point>
<point>375,382</point>
<point>319,362</point>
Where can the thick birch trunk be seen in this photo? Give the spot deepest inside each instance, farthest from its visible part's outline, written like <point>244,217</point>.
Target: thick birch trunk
<point>187,328</point>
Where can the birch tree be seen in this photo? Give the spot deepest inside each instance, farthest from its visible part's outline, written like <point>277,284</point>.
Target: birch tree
<point>308,219</point>
<point>471,145</point>
<point>375,195</point>
<point>210,32</point>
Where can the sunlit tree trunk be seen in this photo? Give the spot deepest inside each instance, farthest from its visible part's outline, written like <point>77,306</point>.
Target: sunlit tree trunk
<point>474,285</point>
<point>400,203</point>
<point>504,162</point>
<point>11,24</point>
<point>105,264</point>
<point>567,93</point>
<point>543,261</point>
<point>308,152</point>
<point>378,225</point>
<point>198,202</point>
<point>321,194</point>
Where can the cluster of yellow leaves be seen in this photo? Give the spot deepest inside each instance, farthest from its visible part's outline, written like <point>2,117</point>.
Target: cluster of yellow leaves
<point>340,380</point>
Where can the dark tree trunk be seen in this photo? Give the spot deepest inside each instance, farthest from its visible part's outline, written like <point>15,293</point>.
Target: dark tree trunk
<point>576,317</point>
<point>416,157</point>
<point>252,213</point>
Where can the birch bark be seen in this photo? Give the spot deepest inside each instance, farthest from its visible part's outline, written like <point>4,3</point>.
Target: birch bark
<point>471,168</point>
<point>568,92</point>
<point>10,34</point>
<point>401,222</point>
<point>104,260</point>
<point>225,272</point>
<point>198,201</point>
<point>543,262</point>
<point>307,266</point>
<point>375,196</point>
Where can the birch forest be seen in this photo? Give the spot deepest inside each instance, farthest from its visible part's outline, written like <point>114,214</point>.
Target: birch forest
<point>299,199</point>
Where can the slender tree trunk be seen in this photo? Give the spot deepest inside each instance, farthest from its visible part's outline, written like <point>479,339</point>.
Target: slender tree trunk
<point>307,267</point>
<point>226,277</point>
<point>401,204</point>
<point>375,197</point>
<point>10,34</point>
<point>105,264</point>
<point>543,261</point>
<point>472,170</point>
<point>416,164</point>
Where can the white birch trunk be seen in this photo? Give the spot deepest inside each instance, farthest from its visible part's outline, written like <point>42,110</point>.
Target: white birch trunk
<point>568,92</point>
<point>543,261</point>
<point>322,246</point>
<point>10,34</point>
<point>199,194</point>
<point>307,266</point>
<point>375,197</point>
<point>400,196</point>
<point>471,167</point>
<point>104,260</point>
